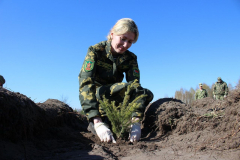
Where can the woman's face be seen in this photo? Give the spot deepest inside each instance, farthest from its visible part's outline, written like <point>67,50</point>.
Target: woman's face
<point>121,43</point>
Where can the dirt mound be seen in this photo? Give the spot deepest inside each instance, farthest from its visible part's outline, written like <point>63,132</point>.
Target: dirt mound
<point>209,124</point>
<point>161,116</point>
<point>41,128</point>
<point>58,114</point>
<point>20,117</point>
<point>206,129</point>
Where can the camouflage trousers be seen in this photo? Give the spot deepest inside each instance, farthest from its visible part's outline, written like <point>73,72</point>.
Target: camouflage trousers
<point>116,92</point>
<point>219,97</point>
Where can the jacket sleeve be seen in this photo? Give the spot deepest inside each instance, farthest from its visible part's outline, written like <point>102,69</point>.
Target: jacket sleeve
<point>87,88</point>
<point>226,89</point>
<point>196,95</point>
<point>133,71</point>
<point>214,89</point>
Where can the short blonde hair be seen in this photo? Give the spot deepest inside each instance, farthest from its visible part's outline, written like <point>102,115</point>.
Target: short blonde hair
<point>123,26</point>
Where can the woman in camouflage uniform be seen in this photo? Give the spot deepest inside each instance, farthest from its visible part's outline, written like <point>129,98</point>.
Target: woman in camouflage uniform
<point>102,73</point>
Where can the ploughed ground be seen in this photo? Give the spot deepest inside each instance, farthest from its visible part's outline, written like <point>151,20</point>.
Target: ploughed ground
<point>206,129</point>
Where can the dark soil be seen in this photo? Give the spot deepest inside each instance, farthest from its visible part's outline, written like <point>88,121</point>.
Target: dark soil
<point>207,129</point>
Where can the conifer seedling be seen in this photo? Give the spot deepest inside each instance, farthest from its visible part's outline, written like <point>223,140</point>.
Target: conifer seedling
<point>120,116</point>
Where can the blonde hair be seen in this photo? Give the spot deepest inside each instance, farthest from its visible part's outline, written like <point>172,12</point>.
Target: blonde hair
<point>123,26</point>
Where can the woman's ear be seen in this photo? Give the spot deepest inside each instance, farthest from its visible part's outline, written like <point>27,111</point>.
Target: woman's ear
<point>111,35</point>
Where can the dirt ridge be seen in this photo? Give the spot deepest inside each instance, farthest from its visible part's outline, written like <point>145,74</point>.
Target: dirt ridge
<point>206,129</point>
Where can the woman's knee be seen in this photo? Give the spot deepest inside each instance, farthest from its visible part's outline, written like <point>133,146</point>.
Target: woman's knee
<point>149,95</point>
<point>102,91</point>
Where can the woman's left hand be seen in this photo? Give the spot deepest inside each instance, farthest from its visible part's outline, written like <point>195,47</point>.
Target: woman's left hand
<point>135,133</point>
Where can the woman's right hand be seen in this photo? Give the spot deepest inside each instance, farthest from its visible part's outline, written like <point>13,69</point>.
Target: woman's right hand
<point>103,132</point>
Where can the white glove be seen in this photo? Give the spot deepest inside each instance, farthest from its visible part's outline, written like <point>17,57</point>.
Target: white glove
<point>225,96</point>
<point>103,132</point>
<point>135,133</point>
<point>214,96</point>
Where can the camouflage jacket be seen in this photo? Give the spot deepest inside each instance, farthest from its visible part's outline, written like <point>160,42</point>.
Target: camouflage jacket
<point>220,88</point>
<point>201,94</point>
<point>100,68</point>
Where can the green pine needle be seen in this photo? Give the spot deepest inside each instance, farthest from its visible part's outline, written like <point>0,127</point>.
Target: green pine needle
<point>120,116</point>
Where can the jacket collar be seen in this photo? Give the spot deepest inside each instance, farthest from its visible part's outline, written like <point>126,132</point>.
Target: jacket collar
<point>108,50</point>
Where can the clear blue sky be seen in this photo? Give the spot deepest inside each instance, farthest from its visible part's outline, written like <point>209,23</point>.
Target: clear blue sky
<point>182,43</point>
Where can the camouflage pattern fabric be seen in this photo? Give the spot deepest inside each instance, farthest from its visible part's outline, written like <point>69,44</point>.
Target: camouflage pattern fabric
<point>220,89</point>
<point>200,94</point>
<point>101,74</point>
<point>116,93</point>
<point>219,97</point>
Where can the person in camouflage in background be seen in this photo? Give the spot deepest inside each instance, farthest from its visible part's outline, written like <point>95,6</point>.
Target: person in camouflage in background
<point>2,81</point>
<point>102,73</point>
<point>201,93</point>
<point>220,89</point>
